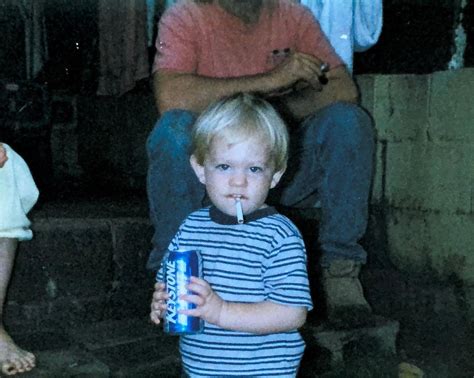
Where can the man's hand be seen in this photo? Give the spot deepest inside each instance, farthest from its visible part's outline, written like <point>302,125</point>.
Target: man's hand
<point>296,68</point>
<point>303,102</point>
<point>193,92</point>
<point>208,303</point>
<point>158,303</point>
<point>3,155</point>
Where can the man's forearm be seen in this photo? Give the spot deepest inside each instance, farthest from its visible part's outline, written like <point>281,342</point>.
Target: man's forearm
<point>195,93</point>
<point>261,318</point>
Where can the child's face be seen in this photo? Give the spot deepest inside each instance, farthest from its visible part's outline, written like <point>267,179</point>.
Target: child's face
<point>239,170</point>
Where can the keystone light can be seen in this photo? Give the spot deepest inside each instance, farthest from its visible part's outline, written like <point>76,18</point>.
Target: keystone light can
<point>178,267</point>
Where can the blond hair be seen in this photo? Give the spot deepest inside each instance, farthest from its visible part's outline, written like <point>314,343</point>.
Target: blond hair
<point>239,117</point>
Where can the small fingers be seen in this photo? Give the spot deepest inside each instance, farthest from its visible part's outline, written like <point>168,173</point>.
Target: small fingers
<point>159,287</point>
<point>158,310</point>
<point>198,286</point>
<point>192,312</point>
<point>160,296</point>
<point>155,317</point>
<point>160,293</point>
<point>194,299</point>
<point>198,280</point>
<point>158,304</point>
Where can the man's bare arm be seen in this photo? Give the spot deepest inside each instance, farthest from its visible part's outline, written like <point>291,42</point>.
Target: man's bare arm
<point>194,92</point>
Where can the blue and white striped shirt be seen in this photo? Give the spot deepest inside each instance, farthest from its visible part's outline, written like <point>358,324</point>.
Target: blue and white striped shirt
<point>262,259</point>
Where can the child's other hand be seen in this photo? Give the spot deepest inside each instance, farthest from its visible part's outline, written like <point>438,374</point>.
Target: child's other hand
<point>158,303</point>
<point>3,155</point>
<point>208,303</point>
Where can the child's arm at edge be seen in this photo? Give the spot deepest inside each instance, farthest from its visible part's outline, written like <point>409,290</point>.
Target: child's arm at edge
<point>3,155</point>
<point>260,318</point>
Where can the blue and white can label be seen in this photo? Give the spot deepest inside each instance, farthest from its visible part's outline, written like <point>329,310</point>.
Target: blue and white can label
<point>178,267</point>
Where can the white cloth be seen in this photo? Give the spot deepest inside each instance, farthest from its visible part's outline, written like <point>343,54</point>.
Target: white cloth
<point>350,25</point>
<point>18,194</point>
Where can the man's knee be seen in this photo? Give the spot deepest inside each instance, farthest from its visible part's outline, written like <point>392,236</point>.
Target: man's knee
<point>348,123</point>
<point>173,129</point>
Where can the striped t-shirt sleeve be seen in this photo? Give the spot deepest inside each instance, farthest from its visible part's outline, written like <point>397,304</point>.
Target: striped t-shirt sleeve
<point>285,274</point>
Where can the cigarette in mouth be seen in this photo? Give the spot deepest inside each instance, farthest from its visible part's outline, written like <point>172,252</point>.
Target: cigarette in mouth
<point>239,211</point>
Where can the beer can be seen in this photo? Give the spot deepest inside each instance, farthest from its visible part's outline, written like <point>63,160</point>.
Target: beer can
<point>178,267</point>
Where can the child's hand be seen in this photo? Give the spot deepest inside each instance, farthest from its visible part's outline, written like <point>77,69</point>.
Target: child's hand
<point>158,303</point>
<point>208,303</point>
<point>3,155</point>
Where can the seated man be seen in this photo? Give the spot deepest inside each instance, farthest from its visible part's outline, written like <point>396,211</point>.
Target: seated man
<point>18,194</point>
<point>209,49</point>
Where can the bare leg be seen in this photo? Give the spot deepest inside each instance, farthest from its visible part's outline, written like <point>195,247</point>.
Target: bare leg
<point>13,359</point>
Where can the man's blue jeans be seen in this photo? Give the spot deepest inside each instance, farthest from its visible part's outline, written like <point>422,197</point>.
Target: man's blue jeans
<point>331,161</point>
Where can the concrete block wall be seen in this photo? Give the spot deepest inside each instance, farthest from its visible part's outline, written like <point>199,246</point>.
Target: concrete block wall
<point>86,262</point>
<point>425,171</point>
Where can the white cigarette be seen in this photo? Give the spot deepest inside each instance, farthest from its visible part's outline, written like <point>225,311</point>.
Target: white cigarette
<point>240,212</point>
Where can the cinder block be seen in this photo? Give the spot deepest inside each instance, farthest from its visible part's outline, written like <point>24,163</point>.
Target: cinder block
<point>132,283</point>
<point>366,89</point>
<point>67,257</point>
<point>379,178</point>
<point>400,107</point>
<point>81,268</point>
<point>432,243</point>
<point>69,363</point>
<point>451,106</point>
<point>131,348</point>
<point>429,176</point>
<point>111,333</point>
<point>384,332</point>
<point>132,245</point>
<point>62,311</point>
<point>468,291</point>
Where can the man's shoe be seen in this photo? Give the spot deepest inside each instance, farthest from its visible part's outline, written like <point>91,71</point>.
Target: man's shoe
<point>346,304</point>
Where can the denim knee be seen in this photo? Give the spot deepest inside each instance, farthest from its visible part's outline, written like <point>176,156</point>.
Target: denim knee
<point>172,129</point>
<point>348,124</point>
